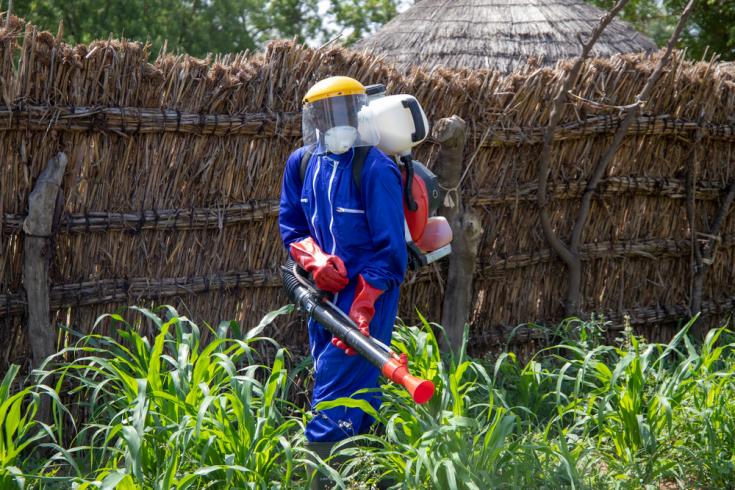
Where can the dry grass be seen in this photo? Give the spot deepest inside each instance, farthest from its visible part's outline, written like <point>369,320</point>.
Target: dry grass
<point>498,34</point>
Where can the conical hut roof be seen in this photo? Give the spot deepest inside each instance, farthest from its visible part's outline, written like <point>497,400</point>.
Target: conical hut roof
<point>500,34</point>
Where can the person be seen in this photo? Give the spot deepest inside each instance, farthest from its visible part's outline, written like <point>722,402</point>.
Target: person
<point>350,239</point>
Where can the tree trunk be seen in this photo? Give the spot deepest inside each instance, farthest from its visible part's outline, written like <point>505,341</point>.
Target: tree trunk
<point>466,227</point>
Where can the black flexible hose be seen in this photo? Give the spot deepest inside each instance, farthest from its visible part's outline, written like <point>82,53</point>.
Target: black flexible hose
<point>330,319</point>
<point>408,191</point>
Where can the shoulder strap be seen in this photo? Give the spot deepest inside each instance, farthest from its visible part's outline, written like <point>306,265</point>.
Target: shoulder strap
<point>308,152</point>
<point>358,162</point>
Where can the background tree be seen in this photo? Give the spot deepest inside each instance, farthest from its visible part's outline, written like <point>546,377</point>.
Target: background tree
<point>362,17</point>
<point>194,26</point>
<point>202,26</point>
<point>289,19</point>
<point>711,26</point>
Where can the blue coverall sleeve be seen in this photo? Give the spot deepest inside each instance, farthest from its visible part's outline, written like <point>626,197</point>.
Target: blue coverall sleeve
<point>381,186</point>
<point>291,218</point>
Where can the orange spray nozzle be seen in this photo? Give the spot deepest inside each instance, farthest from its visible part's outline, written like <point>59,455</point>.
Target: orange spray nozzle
<point>421,390</point>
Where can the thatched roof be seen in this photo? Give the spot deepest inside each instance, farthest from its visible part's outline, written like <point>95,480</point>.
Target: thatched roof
<point>500,34</point>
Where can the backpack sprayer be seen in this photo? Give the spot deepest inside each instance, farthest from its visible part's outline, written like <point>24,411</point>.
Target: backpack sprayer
<point>402,124</point>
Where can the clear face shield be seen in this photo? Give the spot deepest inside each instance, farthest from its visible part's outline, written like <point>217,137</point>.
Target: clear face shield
<point>339,123</point>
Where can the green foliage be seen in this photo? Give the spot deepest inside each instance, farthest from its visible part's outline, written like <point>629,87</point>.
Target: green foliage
<point>711,26</point>
<point>195,26</point>
<point>20,432</point>
<point>459,439</point>
<point>580,414</point>
<point>170,412</point>
<point>167,410</point>
<point>647,16</point>
<point>199,27</point>
<point>362,16</point>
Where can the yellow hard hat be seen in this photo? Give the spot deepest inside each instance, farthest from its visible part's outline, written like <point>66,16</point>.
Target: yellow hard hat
<point>333,87</point>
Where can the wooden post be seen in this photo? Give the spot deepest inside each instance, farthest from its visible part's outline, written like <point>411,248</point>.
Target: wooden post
<point>467,229</point>
<point>44,207</point>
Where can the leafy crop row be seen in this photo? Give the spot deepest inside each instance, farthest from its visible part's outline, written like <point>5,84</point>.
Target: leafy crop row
<point>173,412</point>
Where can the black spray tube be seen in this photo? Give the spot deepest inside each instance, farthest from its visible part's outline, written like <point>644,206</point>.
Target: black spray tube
<point>390,365</point>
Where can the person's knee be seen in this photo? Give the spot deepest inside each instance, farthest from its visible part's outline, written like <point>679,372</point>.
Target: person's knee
<point>336,424</point>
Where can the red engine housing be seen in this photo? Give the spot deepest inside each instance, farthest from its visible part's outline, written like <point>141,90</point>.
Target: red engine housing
<point>416,220</point>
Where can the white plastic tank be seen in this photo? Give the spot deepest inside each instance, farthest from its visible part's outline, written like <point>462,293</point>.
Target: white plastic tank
<point>401,122</point>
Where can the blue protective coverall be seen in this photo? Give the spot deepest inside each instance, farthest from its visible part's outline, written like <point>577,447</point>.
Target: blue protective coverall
<point>365,229</point>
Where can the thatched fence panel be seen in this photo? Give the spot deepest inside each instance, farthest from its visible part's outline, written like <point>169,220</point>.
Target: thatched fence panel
<point>171,191</point>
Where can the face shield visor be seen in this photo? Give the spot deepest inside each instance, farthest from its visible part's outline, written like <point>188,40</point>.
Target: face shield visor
<point>339,123</point>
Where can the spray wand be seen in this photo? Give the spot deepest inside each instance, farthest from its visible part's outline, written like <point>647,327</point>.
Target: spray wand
<point>318,306</point>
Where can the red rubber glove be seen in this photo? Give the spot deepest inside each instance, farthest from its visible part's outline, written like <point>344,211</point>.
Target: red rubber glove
<point>361,312</point>
<point>328,271</point>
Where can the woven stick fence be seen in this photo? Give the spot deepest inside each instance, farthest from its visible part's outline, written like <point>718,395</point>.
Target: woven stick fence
<point>171,190</point>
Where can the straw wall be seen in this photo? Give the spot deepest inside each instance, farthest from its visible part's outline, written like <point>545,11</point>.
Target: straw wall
<point>170,194</point>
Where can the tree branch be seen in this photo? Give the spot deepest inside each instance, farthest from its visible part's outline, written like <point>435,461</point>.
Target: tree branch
<point>557,244</point>
<point>574,293</point>
<point>691,205</point>
<point>705,255</point>
<point>620,134</point>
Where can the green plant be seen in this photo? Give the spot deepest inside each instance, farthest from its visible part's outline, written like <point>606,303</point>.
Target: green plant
<point>707,425</point>
<point>20,432</point>
<point>465,437</point>
<point>630,400</point>
<point>172,413</point>
<point>175,412</point>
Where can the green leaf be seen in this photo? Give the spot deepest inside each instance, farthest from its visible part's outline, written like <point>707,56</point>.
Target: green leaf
<point>150,315</point>
<point>154,366</point>
<point>267,320</point>
<point>134,455</point>
<point>349,403</point>
<point>111,481</point>
<point>8,381</point>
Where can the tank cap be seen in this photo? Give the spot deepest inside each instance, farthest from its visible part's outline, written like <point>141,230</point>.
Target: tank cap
<point>375,89</point>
